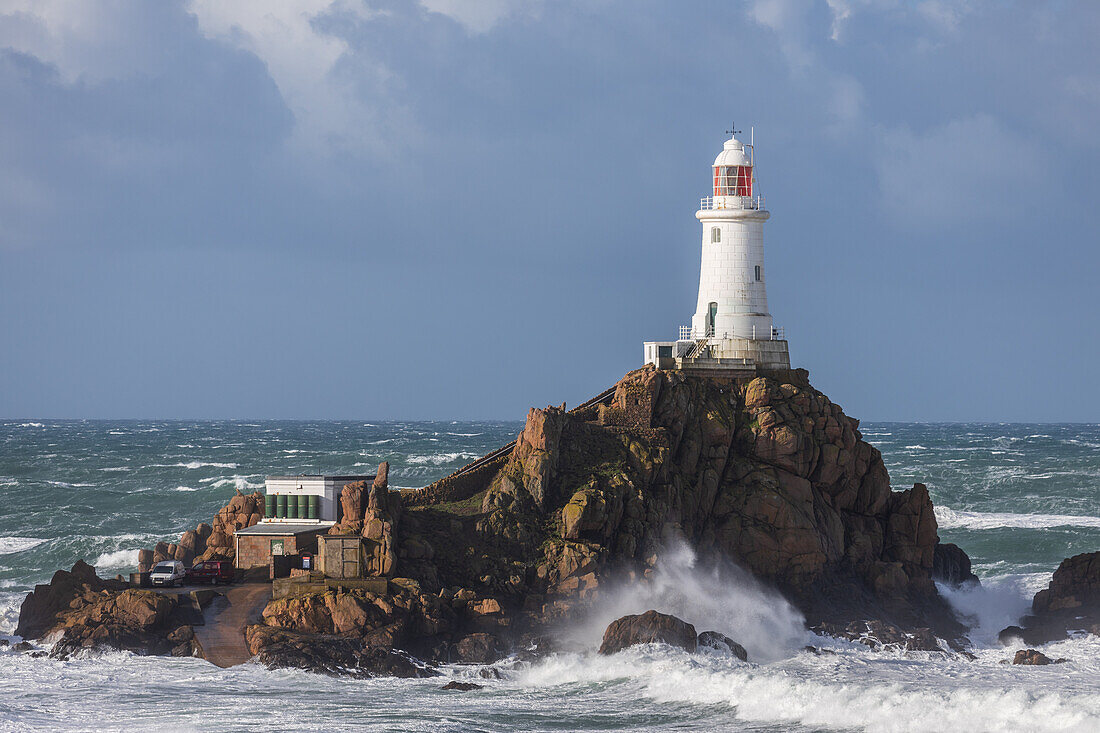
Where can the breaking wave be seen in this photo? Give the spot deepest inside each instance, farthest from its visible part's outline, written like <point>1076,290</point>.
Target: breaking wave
<point>948,518</point>
<point>713,597</point>
<point>830,692</point>
<point>9,545</point>
<point>203,464</point>
<point>116,560</point>
<point>438,459</point>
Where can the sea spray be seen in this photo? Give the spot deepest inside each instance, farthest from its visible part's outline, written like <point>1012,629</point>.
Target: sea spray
<point>999,601</point>
<point>713,596</point>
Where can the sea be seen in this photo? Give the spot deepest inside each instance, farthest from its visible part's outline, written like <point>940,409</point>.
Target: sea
<point>1018,498</point>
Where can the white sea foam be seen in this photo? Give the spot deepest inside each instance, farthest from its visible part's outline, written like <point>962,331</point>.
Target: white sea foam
<point>204,464</point>
<point>438,459</point>
<point>10,602</point>
<point>720,598</point>
<point>948,518</point>
<point>184,488</point>
<point>10,545</point>
<point>239,482</point>
<point>851,690</point>
<point>994,604</point>
<point>116,560</point>
<point>67,485</point>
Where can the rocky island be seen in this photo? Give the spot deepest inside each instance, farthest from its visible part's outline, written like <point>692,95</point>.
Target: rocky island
<point>766,472</point>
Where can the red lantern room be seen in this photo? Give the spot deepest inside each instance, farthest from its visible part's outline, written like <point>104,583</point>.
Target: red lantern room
<point>733,170</point>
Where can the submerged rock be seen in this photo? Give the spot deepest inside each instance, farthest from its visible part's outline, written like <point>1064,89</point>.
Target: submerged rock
<point>880,635</point>
<point>647,628</point>
<point>461,686</point>
<point>721,642</point>
<point>1031,656</point>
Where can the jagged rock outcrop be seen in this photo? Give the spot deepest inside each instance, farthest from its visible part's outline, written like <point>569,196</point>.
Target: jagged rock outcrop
<point>768,472</point>
<point>207,542</point>
<point>88,612</point>
<point>1070,602</point>
<point>952,566</point>
<point>373,512</point>
<point>1074,587</point>
<point>334,655</point>
<point>648,628</point>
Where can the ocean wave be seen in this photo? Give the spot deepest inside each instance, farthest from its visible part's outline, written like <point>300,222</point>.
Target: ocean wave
<point>841,691</point>
<point>466,435</point>
<point>240,482</point>
<point>9,545</point>
<point>184,488</point>
<point>116,560</point>
<point>438,459</point>
<point>10,603</point>
<point>114,469</point>
<point>1082,443</point>
<point>203,464</point>
<point>948,518</point>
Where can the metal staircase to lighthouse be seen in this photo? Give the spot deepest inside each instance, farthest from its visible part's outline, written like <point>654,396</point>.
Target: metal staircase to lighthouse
<point>698,349</point>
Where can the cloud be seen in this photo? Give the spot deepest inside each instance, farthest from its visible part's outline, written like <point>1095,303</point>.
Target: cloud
<point>479,16</point>
<point>83,41</point>
<point>324,80</point>
<point>969,168</point>
<point>790,23</point>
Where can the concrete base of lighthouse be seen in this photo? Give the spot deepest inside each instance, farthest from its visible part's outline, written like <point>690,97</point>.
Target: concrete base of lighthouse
<point>719,355</point>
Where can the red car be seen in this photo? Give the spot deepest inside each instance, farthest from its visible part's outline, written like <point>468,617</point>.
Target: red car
<point>211,571</point>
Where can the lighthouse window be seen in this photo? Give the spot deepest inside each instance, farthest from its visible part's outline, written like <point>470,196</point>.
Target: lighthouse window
<point>758,273</point>
<point>733,180</point>
<point>716,234</point>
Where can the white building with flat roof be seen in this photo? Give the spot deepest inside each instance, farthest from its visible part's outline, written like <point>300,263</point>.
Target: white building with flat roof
<point>318,495</point>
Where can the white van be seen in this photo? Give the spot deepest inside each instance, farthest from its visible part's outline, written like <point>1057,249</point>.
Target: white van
<point>169,573</point>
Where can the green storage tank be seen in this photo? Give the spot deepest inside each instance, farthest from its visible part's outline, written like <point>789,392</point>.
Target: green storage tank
<point>292,507</point>
<point>303,506</point>
<point>280,511</point>
<point>269,505</point>
<point>314,506</point>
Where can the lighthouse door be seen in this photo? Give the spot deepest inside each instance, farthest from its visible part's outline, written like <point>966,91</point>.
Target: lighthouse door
<point>712,311</point>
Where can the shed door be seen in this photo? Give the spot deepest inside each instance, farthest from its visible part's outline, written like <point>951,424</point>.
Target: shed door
<point>350,565</point>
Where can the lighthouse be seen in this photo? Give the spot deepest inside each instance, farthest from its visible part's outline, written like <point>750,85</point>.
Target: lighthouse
<point>731,329</point>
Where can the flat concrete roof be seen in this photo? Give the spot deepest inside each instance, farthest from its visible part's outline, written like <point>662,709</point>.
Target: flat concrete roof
<point>317,475</point>
<point>283,528</point>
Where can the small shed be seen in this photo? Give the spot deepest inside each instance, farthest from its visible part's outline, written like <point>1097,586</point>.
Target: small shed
<point>341,555</point>
<point>256,545</point>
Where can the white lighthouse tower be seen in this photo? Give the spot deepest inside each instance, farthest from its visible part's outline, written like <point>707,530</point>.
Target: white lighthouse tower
<point>732,328</point>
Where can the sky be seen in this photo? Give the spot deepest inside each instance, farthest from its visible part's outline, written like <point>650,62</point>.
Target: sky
<point>449,209</point>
